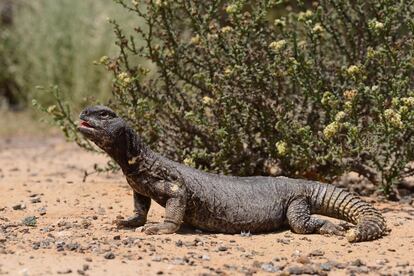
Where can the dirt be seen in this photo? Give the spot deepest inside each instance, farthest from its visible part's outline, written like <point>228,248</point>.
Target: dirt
<point>51,222</point>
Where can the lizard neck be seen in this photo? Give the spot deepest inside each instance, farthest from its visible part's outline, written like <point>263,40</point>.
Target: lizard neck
<point>129,150</point>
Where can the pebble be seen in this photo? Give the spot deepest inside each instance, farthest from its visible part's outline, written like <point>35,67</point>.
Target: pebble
<point>326,266</point>
<point>109,256</point>
<point>303,259</point>
<point>306,269</point>
<point>42,211</point>
<point>317,253</point>
<point>30,221</point>
<point>357,263</point>
<point>269,267</point>
<point>19,206</point>
<point>222,248</point>
<point>66,271</point>
<point>157,259</point>
<point>36,200</point>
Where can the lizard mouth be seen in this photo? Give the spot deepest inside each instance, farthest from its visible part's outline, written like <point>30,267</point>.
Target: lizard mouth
<point>85,124</point>
<point>86,128</point>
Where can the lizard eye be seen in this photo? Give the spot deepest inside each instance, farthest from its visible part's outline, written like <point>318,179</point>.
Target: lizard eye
<point>104,114</point>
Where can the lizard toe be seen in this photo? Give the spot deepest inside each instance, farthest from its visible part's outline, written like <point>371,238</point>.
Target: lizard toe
<point>330,228</point>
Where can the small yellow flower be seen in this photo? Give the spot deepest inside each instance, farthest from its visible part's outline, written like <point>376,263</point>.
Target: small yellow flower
<point>376,25</point>
<point>404,109</point>
<point>103,59</point>
<point>328,99</point>
<point>195,39</point>
<point>340,116</point>
<point>51,108</point>
<point>281,148</point>
<point>303,16</point>
<point>353,70</point>
<point>226,29</point>
<point>189,162</point>
<point>207,100</point>
<point>277,45</point>
<point>135,3</point>
<point>393,118</point>
<point>124,78</point>
<point>317,28</point>
<point>232,9</point>
<point>331,129</point>
<point>408,101</point>
<point>228,71</point>
<point>280,22</point>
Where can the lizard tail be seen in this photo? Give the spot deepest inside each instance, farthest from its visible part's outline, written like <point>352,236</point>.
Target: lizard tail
<point>331,201</point>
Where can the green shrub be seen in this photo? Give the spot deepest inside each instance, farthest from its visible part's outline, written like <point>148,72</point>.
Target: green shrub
<point>54,42</point>
<point>236,88</point>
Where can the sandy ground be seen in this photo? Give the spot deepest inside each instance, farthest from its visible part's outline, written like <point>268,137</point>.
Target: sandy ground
<point>74,233</point>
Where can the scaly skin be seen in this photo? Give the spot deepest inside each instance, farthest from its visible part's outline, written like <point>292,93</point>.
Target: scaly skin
<point>219,203</point>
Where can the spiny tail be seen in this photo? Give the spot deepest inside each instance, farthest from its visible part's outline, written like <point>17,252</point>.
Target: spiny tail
<point>334,202</point>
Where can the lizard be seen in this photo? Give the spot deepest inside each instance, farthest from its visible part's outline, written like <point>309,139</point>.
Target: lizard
<point>223,203</point>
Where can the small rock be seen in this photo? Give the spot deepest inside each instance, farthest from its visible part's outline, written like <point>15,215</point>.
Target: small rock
<point>306,269</point>
<point>117,237</point>
<point>66,271</point>
<point>269,267</point>
<point>317,253</point>
<point>42,211</point>
<point>72,246</point>
<point>30,221</point>
<point>35,200</point>
<point>403,264</point>
<point>357,263</point>
<point>19,206</point>
<point>157,259</point>
<point>222,248</point>
<point>205,257</point>
<point>179,243</point>
<point>326,266</point>
<point>109,256</point>
<point>88,259</point>
<point>303,259</point>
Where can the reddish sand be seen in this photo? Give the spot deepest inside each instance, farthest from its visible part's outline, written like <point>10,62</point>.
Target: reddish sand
<point>76,231</point>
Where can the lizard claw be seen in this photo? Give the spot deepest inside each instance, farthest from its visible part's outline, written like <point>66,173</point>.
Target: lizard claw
<point>160,228</point>
<point>329,228</point>
<point>131,222</point>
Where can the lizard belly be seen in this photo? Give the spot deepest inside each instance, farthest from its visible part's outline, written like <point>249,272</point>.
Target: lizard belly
<point>235,216</point>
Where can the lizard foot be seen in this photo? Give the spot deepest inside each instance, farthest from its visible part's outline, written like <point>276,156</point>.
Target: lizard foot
<point>329,228</point>
<point>131,222</point>
<point>161,228</point>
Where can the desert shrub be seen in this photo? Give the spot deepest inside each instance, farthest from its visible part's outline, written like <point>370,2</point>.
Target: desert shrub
<point>57,42</point>
<point>235,87</point>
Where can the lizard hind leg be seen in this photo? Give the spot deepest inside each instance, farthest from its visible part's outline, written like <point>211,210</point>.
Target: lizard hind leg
<point>301,222</point>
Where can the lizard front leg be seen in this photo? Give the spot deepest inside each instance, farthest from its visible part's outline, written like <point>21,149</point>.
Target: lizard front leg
<point>141,207</point>
<point>174,211</point>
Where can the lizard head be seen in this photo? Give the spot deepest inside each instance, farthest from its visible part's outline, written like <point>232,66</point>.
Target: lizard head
<point>101,125</point>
